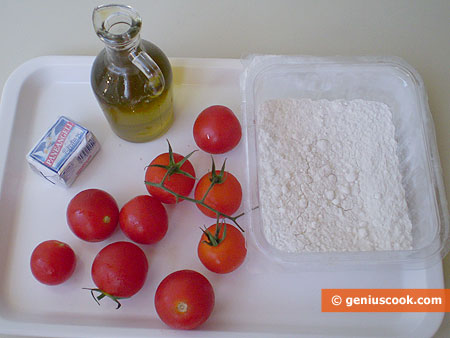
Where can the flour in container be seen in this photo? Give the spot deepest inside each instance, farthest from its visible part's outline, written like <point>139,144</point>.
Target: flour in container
<point>329,177</point>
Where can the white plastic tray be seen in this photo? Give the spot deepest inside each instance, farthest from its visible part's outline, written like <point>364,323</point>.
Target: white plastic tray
<point>256,300</point>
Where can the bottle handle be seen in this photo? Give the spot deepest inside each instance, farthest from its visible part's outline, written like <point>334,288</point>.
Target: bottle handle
<point>150,69</point>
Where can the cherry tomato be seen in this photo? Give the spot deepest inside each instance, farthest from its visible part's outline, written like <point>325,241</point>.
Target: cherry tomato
<point>120,269</point>
<point>52,262</point>
<point>217,130</point>
<point>144,219</point>
<point>92,215</point>
<point>184,299</point>
<point>222,253</point>
<point>224,197</point>
<point>176,182</point>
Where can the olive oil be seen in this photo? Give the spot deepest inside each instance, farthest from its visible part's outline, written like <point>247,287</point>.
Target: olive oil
<point>131,78</point>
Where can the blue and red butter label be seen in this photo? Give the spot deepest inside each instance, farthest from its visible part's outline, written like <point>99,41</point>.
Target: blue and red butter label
<point>63,152</point>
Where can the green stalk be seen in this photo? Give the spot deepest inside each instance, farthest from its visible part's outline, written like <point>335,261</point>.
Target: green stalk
<point>103,295</point>
<point>200,202</point>
<point>174,167</point>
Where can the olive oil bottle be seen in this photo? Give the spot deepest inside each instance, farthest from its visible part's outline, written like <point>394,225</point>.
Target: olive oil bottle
<point>131,78</point>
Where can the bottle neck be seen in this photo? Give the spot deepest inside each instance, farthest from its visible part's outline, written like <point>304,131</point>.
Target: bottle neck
<point>118,55</point>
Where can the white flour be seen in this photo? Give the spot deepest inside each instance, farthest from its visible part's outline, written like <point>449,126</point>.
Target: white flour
<point>329,177</point>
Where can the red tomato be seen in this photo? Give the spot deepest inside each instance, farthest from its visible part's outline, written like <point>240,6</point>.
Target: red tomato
<point>217,130</point>
<point>184,299</point>
<point>52,262</point>
<point>144,219</point>
<point>120,269</point>
<point>176,182</point>
<point>92,215</point>
<point>225,197</point>
<point>222,255</point>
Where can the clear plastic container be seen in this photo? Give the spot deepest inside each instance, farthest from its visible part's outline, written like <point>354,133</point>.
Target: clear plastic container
<point>384,79</point>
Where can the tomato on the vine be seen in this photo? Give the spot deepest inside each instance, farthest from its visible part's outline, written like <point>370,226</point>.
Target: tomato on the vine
<point>184,299</point>
<point>92,215</point>
<point>225,196</point>
<point>119,271</point>
<point>217,130</point>
<point>144,219</point>
<point>222,248</point>
<point>180,176</point>
<point>52,262</point>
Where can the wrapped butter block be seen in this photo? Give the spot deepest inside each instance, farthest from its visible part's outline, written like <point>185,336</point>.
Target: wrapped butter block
<point>63,152</point>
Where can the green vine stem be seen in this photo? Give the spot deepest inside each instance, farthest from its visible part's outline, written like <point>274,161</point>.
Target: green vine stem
<point>103,295</point>
<point>215,240</point>
<point>215,179</point>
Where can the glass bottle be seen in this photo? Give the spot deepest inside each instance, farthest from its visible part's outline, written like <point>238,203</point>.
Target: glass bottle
<point>131,78</point>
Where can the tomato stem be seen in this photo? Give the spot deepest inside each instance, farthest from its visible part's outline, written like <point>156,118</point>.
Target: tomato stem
<point>215,240</point>
<point>174,167</point>
<point>200,202</point>
<point>215,179</point>
<point>102,295</point>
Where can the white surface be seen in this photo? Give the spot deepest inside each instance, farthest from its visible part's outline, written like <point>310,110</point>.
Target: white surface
<point>37,93</point>
<point>415,30</point>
